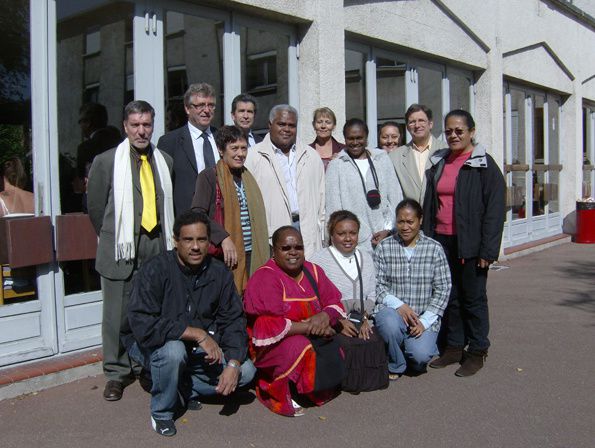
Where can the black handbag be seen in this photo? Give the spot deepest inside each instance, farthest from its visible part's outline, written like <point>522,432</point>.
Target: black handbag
<point>365,360</point>
<point>330,366</point>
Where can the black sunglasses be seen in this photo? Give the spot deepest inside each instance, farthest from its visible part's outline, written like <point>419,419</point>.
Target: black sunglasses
<point>288,247</point>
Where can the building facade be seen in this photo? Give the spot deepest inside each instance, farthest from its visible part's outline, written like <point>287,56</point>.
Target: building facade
<point>524,69</point>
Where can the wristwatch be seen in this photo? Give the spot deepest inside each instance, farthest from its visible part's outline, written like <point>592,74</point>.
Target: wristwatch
<point>234,364</point>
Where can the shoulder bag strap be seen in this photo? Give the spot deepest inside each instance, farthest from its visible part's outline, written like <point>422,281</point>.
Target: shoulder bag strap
<point>310,278</point>
<point>373,169</point>
<point>361,284</point>
<point>360,176</point>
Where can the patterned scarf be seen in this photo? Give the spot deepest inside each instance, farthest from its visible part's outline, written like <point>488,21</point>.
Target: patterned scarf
<point>233,226</point>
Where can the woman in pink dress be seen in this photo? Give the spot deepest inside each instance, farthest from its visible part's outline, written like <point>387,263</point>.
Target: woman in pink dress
<point>289,303</point>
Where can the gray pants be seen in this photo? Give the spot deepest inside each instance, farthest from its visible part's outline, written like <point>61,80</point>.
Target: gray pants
<point>117,365</point>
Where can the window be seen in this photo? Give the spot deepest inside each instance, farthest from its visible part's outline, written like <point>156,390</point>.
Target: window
<point>430,94</point>
<point>390,91</point>
<point>93,42</point>
<point>265,68</point>
<point>532,161</point>
<point>380,85</point>
<point>177,83</point>
<point>16,176</point>
<point>95,78</point>
<point>261,73</point>
<point>459,89</point>
<point>355,84</point>
<point>193,54</point>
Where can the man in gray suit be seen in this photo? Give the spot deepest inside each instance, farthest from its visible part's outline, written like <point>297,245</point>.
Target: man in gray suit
<point>131,207</point>
<point>413,159</point>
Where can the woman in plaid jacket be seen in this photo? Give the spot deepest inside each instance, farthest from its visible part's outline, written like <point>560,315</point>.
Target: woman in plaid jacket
<point>412,290</point>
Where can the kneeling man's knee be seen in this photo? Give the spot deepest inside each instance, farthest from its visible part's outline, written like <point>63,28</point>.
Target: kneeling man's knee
<point>173,352</point>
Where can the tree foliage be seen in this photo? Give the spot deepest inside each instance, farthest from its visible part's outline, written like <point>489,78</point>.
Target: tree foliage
<point>15,54</point>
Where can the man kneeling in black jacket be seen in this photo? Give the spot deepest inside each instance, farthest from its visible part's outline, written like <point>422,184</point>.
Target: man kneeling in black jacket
<point>187,324</point>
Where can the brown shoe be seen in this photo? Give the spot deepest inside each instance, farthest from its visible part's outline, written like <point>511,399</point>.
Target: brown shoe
<point>472,362</point>
<point>451,355</point>
<point>113,390</point>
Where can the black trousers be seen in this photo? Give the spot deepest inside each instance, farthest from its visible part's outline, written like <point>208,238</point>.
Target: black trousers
<point>467,318</point>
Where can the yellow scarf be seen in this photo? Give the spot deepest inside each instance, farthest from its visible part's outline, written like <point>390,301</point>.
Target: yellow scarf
<point>233,226</point>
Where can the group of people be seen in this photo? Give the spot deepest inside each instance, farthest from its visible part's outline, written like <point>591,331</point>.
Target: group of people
<point>226,258</point>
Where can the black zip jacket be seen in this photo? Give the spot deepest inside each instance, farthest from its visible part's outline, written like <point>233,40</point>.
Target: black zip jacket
<point>479,203</point>
<point>167,297</point>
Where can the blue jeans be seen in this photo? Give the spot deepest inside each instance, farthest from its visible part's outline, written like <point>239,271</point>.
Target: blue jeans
<point>176,370</point>
<point>403,349</point>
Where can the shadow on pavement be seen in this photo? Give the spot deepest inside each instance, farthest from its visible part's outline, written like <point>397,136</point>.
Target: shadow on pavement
<point>583,273</point>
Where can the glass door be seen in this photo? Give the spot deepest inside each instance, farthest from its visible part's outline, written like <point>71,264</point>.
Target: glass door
<point>104,53</point>
<point>516,164</point>
<point>26,291</point>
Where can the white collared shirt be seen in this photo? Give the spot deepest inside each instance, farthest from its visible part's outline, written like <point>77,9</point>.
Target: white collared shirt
<point>288,165</point>
<point>197,144</point>
<point>347,262</point>
<point>251,141</point>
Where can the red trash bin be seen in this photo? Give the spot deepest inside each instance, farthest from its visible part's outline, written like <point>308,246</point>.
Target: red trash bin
<point>585,222</point>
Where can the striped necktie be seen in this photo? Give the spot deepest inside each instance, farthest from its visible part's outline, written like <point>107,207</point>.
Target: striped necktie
<point>147,186</point>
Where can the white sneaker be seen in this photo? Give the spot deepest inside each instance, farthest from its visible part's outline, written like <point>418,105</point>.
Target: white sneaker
<point>298,411</point>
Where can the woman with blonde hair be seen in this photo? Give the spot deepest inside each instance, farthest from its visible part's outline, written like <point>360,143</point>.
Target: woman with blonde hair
<point>324,123</point>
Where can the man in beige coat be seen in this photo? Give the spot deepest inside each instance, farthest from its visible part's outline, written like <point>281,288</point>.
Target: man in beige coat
<point>291,179</point>
<point>413,159</point>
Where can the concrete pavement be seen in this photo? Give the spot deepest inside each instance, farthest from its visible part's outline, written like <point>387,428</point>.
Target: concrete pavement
<point>537,389</point>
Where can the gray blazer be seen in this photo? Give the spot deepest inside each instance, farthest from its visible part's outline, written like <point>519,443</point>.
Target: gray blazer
<point>100,201</point>
<point>406,168</point>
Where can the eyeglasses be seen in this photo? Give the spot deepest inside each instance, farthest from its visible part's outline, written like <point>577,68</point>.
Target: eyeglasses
<point>458,132</point>
<point>288,247</point>
<point>421,121</point>
<point>203,106</point>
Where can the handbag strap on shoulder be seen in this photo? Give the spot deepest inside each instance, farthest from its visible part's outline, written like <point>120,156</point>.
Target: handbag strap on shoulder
<point>310,278</point>
<point>361,284</point>
<point>372,169</point>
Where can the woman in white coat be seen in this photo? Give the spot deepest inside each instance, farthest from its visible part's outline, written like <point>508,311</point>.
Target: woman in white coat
<point>363,181</point>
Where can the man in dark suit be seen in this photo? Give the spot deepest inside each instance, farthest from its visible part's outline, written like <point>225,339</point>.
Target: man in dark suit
<point>131,207</point>
<point>243,113</point>
<point>99,137</point>
<point>192,147</point>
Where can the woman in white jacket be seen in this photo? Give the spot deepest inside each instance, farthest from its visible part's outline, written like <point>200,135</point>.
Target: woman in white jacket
<point>363,181</point>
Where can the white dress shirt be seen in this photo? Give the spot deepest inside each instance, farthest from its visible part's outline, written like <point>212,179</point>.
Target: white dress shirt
<point>197,143</point>
<point>288,164</point>
<point>251,141</point>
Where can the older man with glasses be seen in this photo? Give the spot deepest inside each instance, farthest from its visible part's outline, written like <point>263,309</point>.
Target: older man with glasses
<point>413,159</point>
<point>192,147</point>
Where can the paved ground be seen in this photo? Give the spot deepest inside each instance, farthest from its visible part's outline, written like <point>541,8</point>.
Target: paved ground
<point>537,389</point>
